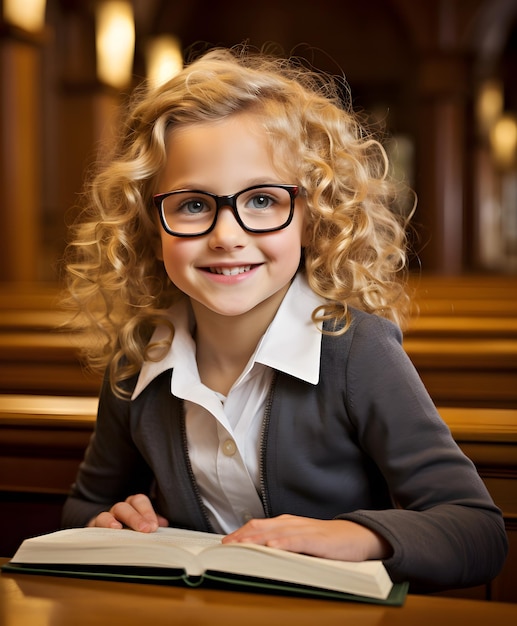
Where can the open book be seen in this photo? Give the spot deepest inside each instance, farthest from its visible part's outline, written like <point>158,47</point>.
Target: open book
<point>171,555</point>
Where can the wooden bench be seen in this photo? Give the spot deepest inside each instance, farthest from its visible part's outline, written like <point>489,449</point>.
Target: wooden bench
<point>463,342</point>
<point>457,368</point>
<point>464,371</point>
<point>35,355</point>
<point>44,363</point>
<point>463,339</point>
<point>467,371</point>
<point>42,442</point>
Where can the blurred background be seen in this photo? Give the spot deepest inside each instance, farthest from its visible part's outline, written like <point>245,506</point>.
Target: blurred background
<point>438,75</point>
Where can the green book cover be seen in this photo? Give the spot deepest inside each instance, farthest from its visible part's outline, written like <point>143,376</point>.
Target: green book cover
<point>213,580</point>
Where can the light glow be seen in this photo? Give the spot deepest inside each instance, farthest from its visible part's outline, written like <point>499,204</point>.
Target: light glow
<point>164,59</point>
<point>489,104</point>
<point>503,139</point>
<point>26,14</point>
<point>115,42</point>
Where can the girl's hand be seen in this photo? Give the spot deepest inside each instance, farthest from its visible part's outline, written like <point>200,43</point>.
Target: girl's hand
<point>341,540</point>
<point>136,512</point>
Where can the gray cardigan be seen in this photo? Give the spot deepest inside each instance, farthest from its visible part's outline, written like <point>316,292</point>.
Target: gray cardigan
<point>365,444</point>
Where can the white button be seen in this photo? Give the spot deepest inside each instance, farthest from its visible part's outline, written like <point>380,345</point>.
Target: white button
<point>229,447</point>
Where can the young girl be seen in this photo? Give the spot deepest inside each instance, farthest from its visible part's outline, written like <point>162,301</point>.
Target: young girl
<point>239,257</point>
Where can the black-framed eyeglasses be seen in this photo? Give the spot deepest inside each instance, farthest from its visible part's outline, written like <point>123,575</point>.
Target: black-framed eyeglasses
<point>257,209</point>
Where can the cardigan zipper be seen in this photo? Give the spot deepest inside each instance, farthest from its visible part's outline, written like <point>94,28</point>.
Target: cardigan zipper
<point>264,496</point>
<point>190,471</point>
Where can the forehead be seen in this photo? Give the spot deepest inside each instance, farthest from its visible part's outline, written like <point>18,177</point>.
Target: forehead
<point>229,129</point>
<point>237,147</point>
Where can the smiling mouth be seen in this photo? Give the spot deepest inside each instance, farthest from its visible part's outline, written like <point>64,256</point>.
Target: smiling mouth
<point>230,271</point>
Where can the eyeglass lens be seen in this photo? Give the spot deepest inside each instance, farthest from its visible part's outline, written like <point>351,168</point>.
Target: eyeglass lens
<point>260,208</point>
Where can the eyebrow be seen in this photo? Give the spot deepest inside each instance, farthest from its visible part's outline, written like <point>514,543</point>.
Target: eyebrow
<point>251,183</point>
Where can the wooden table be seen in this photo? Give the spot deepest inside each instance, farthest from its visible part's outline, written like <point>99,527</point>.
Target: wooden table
<point>27,600</point>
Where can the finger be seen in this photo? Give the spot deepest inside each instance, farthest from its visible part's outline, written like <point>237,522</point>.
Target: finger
<point>105,520</point>
<point>292,533</point>
<point>142,505</point>
<point>162,522</point>
<point>260,530</point>
<point>125,512</point>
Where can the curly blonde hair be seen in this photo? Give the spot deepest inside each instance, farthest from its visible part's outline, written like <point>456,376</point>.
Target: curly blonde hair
<point>357,246</point>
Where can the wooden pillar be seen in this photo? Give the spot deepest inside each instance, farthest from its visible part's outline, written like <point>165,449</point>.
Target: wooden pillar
<point>87,118</point>
<point>442,107</point>
<point>20,145</point>
<point>439,30</point>
<point>82,113</point>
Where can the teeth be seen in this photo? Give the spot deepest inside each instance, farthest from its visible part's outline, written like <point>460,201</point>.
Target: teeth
<point>230,271</point>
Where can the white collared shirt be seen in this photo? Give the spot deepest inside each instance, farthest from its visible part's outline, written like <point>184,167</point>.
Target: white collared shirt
<point>223,433</point>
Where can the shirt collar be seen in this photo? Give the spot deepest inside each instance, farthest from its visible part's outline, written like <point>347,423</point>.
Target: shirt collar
<point>296,352</point>
<point>292,343</point>
<point>178,315</point>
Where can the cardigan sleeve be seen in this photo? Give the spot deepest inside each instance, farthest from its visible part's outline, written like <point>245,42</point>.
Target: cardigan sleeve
<point>444,529</point>
<point>112,468</point>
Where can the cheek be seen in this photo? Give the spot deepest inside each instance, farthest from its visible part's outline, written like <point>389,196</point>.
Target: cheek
<point>174,258</point>
<point>286,249</point>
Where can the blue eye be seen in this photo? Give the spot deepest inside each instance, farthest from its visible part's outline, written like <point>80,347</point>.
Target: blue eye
<point>260,201</point>
<point>193,206</point>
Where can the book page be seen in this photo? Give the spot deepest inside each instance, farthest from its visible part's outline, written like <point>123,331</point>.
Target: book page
<point>190,540</point>
<point>167,547</point>
<point>368,578</point>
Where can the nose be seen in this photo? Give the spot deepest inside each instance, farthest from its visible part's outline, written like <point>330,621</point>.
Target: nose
<point>227,232</point>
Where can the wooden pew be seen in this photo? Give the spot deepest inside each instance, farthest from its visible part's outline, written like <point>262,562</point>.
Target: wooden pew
<point>44,363</point>
<point>464,371</point>
<point>42,442</point>
<point>463,341</point>
<point>467,371</point>
<point>36,355</point>
<point>476,295</point>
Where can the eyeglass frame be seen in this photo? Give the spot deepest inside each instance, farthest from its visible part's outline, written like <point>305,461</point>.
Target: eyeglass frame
<point>226,201</point>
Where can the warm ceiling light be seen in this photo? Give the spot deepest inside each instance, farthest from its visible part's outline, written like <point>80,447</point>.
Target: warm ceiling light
<point>26,14</point>
<point>503,140</point>
<point>164,59</point>
<point>489,104</point>
<point>115,42</point>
